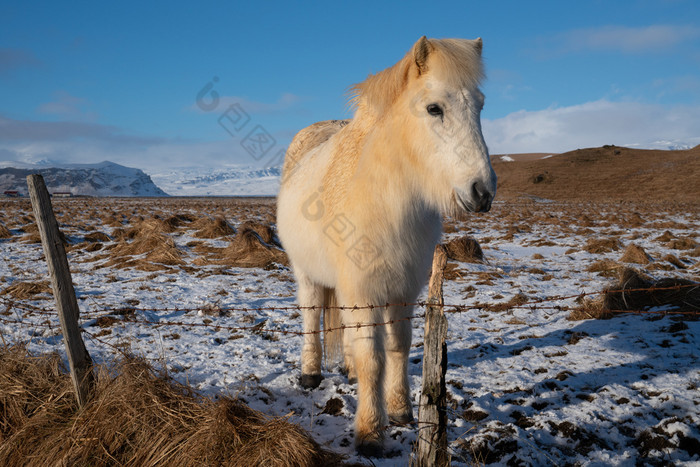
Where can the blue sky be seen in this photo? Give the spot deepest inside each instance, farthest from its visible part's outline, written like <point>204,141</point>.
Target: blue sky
<point>85,81</point>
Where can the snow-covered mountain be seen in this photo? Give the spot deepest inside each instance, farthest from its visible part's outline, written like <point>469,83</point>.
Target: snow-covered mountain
<point>229,181</point>
<point>103,179</point>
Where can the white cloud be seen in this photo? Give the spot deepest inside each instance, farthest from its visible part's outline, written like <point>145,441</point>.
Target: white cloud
<point>561,129</point>
<point>620,39</point>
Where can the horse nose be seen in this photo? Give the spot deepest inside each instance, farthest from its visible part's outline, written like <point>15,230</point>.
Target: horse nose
<point>482,197</point>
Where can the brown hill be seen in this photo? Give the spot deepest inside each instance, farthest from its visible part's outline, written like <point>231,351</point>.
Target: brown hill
<point>609,173</point>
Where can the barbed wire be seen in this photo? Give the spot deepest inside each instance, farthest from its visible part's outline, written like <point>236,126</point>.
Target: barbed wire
<point>128,314</point>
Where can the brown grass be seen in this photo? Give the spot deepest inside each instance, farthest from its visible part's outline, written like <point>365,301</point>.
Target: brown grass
<point>27,290</point>
<point>156,250</point>
<point>137,417</point>
<point>635,254</point>
<point>248,250</point>
<point>213,228</point>
<point>602,245</point>
<point>465,249</point>
<point>4,232</point>
<point>604,174</point>
<point>622,296</point>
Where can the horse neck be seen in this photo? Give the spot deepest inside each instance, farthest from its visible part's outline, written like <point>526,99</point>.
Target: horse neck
<point>382,170</point>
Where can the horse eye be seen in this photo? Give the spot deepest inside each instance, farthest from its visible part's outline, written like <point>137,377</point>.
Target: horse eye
<point>434,110</point>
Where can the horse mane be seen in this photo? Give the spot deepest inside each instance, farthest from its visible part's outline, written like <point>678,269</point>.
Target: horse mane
<point>457,61</point>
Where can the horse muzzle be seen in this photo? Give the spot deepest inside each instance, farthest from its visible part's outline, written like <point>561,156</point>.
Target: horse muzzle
<point>478,199</point>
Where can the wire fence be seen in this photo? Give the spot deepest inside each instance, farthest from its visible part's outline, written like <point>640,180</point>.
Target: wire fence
<point>131,314</point>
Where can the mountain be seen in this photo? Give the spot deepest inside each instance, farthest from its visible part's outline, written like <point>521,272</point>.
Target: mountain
<point>230,181</point>
<point>103,179</point>
<point>608,173</point>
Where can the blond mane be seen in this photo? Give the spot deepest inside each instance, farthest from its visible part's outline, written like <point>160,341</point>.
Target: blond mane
<point>455,61</point>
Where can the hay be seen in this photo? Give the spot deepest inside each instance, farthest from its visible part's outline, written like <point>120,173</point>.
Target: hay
<point>622,296</point>
<point>602,245</point>
<point>4,232</point>
<point>213,228</point>
<point>635,254</point>
<point>156,250</point>
<point>137,417</point>
<point>27,290</point>
<point>248,250</point>
<point>465,249</point>
<point>682,244</point>
<point>265,231</point>
<point>95,237</point>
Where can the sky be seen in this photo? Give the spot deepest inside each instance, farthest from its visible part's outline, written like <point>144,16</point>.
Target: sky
<point>175,84</point>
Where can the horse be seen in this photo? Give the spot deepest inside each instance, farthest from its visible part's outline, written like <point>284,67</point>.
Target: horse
<point>359,215</point>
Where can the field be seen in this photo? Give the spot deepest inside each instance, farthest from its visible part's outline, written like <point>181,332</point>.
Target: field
<point>196,286</point>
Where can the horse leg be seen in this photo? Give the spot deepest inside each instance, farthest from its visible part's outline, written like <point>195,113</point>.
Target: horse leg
<point>349,363</point>
<point>368,358</point>
<point>397,391</point>
<point>310,296</point>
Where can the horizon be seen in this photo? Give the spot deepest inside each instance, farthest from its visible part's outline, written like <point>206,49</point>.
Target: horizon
<point>159,86</point>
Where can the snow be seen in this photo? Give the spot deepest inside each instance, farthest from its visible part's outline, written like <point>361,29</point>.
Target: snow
<point>558,391</point>
<point>225,181</point>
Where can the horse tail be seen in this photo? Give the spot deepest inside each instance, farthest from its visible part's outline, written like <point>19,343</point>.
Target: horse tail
<point>332,340</point>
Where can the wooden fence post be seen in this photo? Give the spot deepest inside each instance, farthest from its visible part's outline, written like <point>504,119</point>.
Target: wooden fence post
<point>63,292</point>
<point>432,411</point>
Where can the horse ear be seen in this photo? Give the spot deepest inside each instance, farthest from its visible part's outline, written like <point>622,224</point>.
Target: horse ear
<point>478,44</point>
<point>421,50</point>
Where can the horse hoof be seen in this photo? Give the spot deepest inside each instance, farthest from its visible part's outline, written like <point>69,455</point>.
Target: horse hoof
<point>401,419</point>
<point>370,448</point>
<point>310,381</point>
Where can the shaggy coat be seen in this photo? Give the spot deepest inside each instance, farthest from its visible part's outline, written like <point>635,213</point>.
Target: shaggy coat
<point>359,214</point>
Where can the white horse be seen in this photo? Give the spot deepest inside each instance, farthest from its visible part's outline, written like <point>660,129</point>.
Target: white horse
<point>359,214</point>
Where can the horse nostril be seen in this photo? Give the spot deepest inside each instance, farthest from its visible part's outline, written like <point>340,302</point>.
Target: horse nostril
<point>482,197</point>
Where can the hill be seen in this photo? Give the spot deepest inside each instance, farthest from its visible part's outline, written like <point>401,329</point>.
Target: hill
<point>608,173</point>
<point>103,179</point>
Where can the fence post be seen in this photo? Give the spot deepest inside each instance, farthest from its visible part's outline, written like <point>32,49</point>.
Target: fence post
<point>432,411</point>
<point>62,285</point>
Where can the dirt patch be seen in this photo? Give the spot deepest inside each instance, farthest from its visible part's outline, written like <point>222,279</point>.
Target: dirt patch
<point>137,417</point>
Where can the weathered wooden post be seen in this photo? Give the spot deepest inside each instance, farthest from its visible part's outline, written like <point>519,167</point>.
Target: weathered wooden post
<point>63,292</point>
<point>432,411</point>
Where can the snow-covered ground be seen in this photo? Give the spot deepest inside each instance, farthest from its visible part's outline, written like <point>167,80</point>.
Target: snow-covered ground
<point>526,386</point>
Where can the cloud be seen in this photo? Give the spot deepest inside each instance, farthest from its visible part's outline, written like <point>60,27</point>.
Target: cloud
<point>15,59</point>
<point>622,39</point>
<point>67,106</point>
<point>561,129</point>
<point>29,141</point>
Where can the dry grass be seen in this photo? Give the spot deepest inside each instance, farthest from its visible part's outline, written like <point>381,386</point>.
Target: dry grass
<point>212,228</point>
<point>465,249</point>
<point>137,417</point>
<point>249,250</point>
<point>623,296</point>
<point>4,232</point>
<point>635,254</point>
<point>27,290</point>
<point>152,247</point>
<point>602,245</point>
